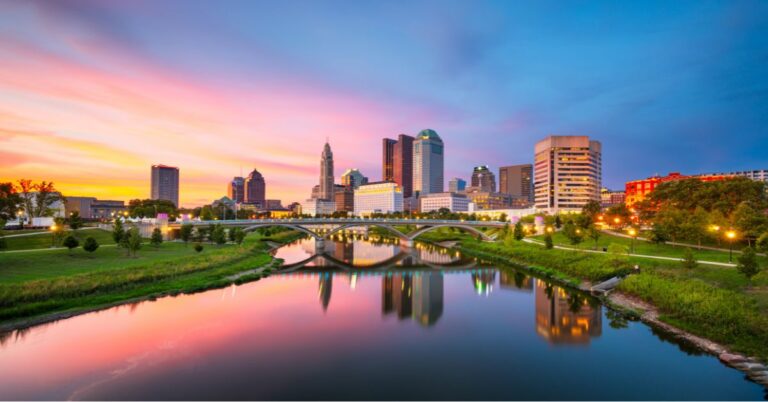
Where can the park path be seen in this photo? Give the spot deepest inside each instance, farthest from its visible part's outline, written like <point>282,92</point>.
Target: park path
<point>673,243</point>
<point>41,232</point>
<point>655,257</point>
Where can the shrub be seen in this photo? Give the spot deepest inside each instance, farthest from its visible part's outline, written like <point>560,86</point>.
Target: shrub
<point>90,244</point>
<point>689,262</point>
<point>71,242</point>
<point>198,247</point>
<point>748,263</point>
<point>548,244</point>
<point>185,233</point>
<point>157,237</point>
<point>519,233</point>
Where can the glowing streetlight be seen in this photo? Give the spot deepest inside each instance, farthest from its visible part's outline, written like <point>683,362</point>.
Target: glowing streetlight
<point>549,229</point>
<point>730,235</point>
<point>633,233</point>
<point>53,228</point>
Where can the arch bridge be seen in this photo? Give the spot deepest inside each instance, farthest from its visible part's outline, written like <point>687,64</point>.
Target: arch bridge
<point>330,226</point>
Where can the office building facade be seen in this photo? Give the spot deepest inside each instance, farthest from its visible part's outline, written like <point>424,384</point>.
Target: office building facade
<point>165,183</point>
<point>353,178</point>
<point>236,189</point>
<point>327,190</point>
<point>380,197</point>
<point>255,189</point>
<point>456,184</point>
<point>483,179</point>
<point>567,173</point>
<point>517,181</point>
<point>452,201</point>
<point>388,159</point>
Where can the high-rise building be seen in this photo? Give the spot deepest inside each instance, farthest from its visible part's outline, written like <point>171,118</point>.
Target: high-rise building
<point>403,163</point>
<point>165,183</point>
<point>388,159</point>
<point>567,173</point>
<point>428,155</point>
<point>483,179</point>
<point>327,190</point>
<point>380,197</point>
<point>255,189</point>
<point>236,189</point>
<point>353,178</point>
<point>456,184</point>
<point>517,181</point>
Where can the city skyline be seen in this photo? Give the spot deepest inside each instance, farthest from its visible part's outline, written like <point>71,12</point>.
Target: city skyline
<point>94,93</point>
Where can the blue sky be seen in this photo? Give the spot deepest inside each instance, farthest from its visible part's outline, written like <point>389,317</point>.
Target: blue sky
<point>665,86</point>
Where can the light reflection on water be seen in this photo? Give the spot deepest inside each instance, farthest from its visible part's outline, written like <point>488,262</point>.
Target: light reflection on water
<point>426,325</point>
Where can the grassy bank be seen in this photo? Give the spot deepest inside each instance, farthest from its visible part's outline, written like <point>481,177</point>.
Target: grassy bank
<point>716,303</point>
<point>43,240</point>
<point>109,277</point>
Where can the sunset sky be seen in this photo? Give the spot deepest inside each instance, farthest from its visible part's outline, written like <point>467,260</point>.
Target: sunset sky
<point>93,93</point>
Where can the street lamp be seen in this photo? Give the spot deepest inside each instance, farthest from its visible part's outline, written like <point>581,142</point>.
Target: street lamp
<point>730,235</point>
<point>54,228</point>
<point>633,233</point>
<point>549,229</point>
<point>21,223</point>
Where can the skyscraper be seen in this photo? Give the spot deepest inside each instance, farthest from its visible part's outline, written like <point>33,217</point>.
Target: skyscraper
<point>483,179</point>
<point>236,189</point>
<point>165,183</point>
<point>255,189</point>
<point>387,159</point>
<point>456,184</point>
<point>428,154</point>
<point>353,178</point>
<point>517,181</point>
<point>567,173</point>
<point>327,189</point>
<point>402,169</point>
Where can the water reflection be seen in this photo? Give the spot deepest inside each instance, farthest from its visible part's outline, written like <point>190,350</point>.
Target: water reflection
<point>566,317</point>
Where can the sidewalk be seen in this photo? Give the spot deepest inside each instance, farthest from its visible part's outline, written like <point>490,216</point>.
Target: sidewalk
<point>655,257</point>
<point>42,232</point>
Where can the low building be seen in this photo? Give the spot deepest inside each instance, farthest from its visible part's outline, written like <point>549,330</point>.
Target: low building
<point>280,213</point>
<point>452,201</point>
<point>273,205</point>
<point>379,197</point>
<point>345,199</point>
<point>93,208</point>
<point>488,199</point>
<point>317,206</point>
<point>609,198</point>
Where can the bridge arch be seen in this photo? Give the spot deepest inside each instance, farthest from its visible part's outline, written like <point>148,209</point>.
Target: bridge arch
<point>367,224</point>
<point>285,225</point>
<point>413,235</point>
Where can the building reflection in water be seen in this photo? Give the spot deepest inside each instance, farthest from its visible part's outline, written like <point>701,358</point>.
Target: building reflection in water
<point>324,289</point>
<point>483,281</point>
<point>513,280</point>
<point>565,317</point>
<point>418,296</point>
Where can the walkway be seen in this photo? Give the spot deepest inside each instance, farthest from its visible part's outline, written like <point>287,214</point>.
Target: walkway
<point>672,243</point>
<point>655,257</point>
<point>42,232</point>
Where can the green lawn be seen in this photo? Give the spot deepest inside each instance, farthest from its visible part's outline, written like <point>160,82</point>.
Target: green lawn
<point>644,247</point>
<point>44,239</point>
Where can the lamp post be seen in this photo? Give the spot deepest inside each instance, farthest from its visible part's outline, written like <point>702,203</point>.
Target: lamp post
<point>633,233</point>
<point>730,235</point>
<point>21,223</point>
<point>716,229</point>
<point>54,228</point>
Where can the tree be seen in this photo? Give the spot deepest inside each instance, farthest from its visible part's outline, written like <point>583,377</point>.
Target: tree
<point>749,221</point>
<point>762,243</point>
<point>619,216</point>
<point>748,263</point>
<point>198,247</point>
<point>558,222</point>
<point>689,261</point>
<point>150,208</point>
<point>239,235</point>
<point>157,238</point>
<point>118,232</point>
<point>185,233</point>
<point>518,232</point>
<point>591,209</point>
<point>231,234</point>
<point>90,244</point>
<point>594,234</point>
<point>37,199</point>
<point>10,201</point>
<point>659,235</point>
<point>548,244</point>
<point>219,236</point>
<point>75,221</point>
<point>694,225</point>
<point>71,242</point>
<point>618,254</point>
<point>573,233</point>
<point>134,240</point>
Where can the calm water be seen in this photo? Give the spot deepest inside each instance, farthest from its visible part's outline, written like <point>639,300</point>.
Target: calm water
<point>404,324</point>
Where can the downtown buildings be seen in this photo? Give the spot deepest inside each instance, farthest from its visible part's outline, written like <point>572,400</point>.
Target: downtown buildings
<point>567,173</point>
<point>379,197</point>
<point>397,162</point>
<point>165,183</point>
<point>428,159</point>
<point>517,181</point>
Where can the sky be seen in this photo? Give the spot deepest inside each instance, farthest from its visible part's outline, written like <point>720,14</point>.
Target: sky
<point>92,93</point>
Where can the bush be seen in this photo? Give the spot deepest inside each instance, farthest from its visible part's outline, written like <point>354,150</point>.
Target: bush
<point>198,247</point>
<point>71,242</point>
<point>748,263</point>
<point>548,244</point>
<point>157,237</point>
<point>689,262</point>
<point>90,244</point>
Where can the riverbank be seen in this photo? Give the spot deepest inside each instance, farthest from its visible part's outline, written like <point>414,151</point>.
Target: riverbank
<point>31,302</point>
<point>726,321</point>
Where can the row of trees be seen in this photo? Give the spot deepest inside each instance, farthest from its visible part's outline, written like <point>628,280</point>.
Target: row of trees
<point>33,199</point>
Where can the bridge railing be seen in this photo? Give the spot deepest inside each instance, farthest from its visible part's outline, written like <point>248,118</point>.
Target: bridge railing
<point>322,221</point>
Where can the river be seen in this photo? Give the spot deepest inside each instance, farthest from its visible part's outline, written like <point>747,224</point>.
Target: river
<point>363,321</point>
